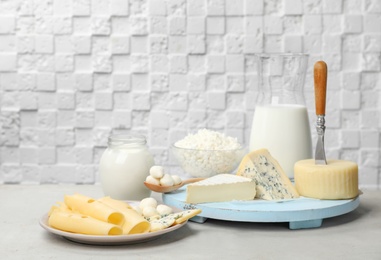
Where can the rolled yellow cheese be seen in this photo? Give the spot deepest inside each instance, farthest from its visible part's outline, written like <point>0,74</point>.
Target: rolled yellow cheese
<point>78,223</point>
<point>60,207</point>
<point>336,180</point>
<point>134,222</point>
<point>93,208</point>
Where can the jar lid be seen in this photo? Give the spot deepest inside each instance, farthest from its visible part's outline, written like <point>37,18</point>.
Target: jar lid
<point>119,139</point>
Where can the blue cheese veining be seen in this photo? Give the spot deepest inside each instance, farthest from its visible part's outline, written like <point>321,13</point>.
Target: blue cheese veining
<point>271,181</point>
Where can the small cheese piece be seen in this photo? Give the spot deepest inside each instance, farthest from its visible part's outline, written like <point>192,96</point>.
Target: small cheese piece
<point>162,223</point>
<point>167,180</point>
<point>164,209</point>
<point>150,212</point>
<point>221,187</point>
<point>134,222</point>
<point>271,181</point>
<point>147,202</point>
<point>157,171</point>
<point>176,179</point>
<point>152,180</point>
<point>183,216</point>
<point>179,217</point>
<point>336,180</point>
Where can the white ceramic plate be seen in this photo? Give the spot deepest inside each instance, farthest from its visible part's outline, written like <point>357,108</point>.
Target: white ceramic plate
<point>108,240</point>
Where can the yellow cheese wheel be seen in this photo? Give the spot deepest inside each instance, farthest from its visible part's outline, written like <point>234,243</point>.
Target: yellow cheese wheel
<point>336,180</point>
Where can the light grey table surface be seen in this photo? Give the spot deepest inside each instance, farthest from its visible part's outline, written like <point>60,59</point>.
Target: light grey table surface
<point>356,235</point>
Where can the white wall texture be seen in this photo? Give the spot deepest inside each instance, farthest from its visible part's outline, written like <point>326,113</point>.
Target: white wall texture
<point>73,71</point>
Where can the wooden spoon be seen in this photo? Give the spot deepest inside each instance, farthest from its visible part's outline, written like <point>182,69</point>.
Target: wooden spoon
<point>165,189</point>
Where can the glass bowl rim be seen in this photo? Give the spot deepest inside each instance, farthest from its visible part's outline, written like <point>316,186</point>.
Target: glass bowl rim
<point>207,150</point>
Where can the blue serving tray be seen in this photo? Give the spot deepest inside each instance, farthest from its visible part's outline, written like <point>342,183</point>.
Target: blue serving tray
<point>300,213</point>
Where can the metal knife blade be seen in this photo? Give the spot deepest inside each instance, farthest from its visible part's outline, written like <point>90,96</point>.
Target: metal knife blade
<point>320,152</point>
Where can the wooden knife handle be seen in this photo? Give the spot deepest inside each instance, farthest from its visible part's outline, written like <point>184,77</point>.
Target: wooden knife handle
<point>320,83</point>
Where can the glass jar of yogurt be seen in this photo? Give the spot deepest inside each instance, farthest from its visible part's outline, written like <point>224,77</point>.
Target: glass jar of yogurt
<point>124,166</point>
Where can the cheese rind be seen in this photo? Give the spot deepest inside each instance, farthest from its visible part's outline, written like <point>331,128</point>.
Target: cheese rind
<point>219,188</point>
<point>336,180</point>
<point>271,181</point>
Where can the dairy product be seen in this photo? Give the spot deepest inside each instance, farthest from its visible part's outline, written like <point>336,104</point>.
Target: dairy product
<point>159,177</point>
<point>183,216</point>
<point>163,210</point>
<point>173,219</point>
<point>147,202</point>
<point>207,153</point>
<point>105,216</point>
<point>160,224</point>
<point>78,223</point>
<point>206,139</point>
<point>135,223</point>
<point>284,130</point>
<point>124,167</point>
<point>336,180</point>
<point>93,208</point>
<point>221,187</point>
<point>271,181</point>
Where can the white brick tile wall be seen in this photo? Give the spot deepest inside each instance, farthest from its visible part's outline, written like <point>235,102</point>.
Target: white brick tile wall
<point>72,72</point>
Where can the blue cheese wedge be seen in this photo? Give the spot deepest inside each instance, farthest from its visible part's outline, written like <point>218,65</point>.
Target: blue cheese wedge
<point>183,216</point>
<point>271,181</point>
<point>162,223</point>
<point>221,187</point>
<point>173,219</point>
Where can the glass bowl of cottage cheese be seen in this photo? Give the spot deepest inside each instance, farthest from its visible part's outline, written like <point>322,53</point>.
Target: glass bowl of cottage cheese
<point>207,153</point>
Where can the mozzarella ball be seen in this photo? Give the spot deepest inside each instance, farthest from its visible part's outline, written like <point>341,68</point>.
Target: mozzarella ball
<point>152,180</point>
<point>166,180</point>
<point>164,209</point>
<point>176,179</point>
<point>148,202</point>
<point>157,171</point>
<point>149,212</point>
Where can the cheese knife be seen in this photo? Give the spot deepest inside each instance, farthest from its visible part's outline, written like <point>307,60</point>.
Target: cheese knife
<point>320,84</point>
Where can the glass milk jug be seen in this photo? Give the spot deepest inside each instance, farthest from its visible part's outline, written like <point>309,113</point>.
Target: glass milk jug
<point>124,166</point>
<point>280,122</point>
